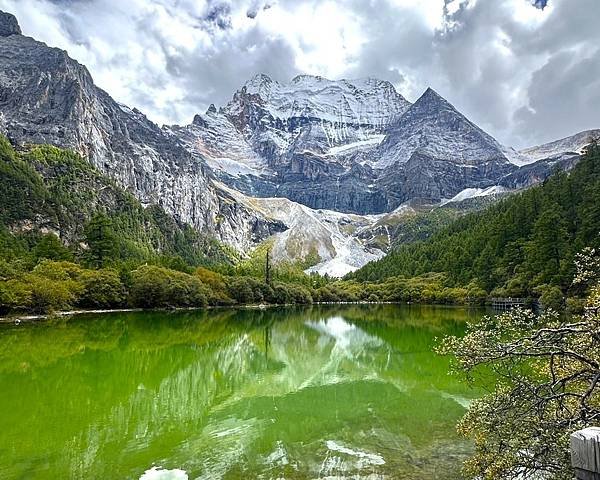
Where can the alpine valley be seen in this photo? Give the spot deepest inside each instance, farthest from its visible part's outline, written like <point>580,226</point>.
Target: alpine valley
<point>327,173</point>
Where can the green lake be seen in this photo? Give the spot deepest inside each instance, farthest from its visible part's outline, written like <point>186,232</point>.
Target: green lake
<point>280,393</point>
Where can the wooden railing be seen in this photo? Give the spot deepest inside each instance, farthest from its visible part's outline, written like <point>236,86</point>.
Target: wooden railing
<point>509,303</point>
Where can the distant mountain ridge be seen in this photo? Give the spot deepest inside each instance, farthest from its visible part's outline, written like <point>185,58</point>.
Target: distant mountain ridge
<point>355,146</point>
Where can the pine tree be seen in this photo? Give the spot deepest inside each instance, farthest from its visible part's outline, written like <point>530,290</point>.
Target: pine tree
<point>101,240</point>
<point>549,244</point>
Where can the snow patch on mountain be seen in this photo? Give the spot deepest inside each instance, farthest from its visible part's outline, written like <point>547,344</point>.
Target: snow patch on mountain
<point>574,144</point>
<point>474,193</point>
<point>350,256</point>
<point>236,168</point>
<point>370,142</point>
<point>331,236</point>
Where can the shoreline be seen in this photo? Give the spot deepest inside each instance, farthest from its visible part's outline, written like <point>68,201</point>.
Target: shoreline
<point>31,318</point>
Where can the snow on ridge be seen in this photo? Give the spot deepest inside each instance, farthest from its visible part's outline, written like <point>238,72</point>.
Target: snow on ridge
<point>371,141</point>
<point>236,168</point>
<point>573,144</point>
<point>361,101</point>
<point>474,193</point>
<point>516,158</point>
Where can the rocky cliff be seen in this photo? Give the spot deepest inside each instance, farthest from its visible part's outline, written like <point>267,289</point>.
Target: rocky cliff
<point>47,97</point>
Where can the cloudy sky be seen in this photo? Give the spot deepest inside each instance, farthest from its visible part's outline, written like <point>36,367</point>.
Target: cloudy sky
<point>523,73</point>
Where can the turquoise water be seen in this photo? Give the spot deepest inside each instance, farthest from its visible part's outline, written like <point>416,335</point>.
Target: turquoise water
<point>294,393</point>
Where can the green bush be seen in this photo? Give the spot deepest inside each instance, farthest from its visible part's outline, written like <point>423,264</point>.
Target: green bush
<point>48,295</point>
<point>101,289</point>
<point>551,297</point>
<point>57,270</point>
<point>326,294</point>
<point>300,295</point>
<point>217,287</point>
<point>14,295</point>
<point>154,286</point>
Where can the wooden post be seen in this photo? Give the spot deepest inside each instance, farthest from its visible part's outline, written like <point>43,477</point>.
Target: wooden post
<point>585,453</point>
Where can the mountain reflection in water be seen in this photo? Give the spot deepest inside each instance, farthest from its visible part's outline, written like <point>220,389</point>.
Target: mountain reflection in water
<point>298,393</point>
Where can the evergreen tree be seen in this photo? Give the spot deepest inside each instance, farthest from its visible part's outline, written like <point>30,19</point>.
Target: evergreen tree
<point>548,246</point>
<point>101,241</point>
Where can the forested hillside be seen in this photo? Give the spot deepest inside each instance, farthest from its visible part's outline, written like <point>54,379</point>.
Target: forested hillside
<point>70,237</point>
<point>515,247</point>
<point>55,205</point>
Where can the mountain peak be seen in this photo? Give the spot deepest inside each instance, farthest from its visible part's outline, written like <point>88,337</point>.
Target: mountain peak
<point>258,80</point>
<point>436,129</point>
<point>308,78</point>
<point>8,25</point>
<point>432,103</point>
<point>260,84</point>
<point>430,95</point>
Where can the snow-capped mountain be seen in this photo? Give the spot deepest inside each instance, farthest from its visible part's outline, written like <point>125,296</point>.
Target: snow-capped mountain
<point>355,146</point>
<point>312,113</point>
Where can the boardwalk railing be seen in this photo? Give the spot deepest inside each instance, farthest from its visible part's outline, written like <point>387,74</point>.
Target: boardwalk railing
<point>509,303</point>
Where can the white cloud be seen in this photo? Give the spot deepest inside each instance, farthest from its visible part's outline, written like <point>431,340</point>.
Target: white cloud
<point>504,63</point>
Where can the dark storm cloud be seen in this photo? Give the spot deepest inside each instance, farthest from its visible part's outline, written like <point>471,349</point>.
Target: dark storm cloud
<point>524,70</point>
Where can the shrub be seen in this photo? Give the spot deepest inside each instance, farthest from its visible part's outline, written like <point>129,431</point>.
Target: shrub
<point>101,288</point>
<point>14,295</point>
<point>48,295</point>
<point>217,288</point>
<point>154,286</point>
<point>300,295</point>
<point>57,270</point>
<point>551,297</point>
<point>326,294</point>
<point>240,290</point>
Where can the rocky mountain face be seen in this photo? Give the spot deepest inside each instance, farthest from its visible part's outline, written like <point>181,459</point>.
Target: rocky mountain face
<point>569,146</point>
<point>354,146</point>
<point>46,97</point>
<point>293,135</point>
